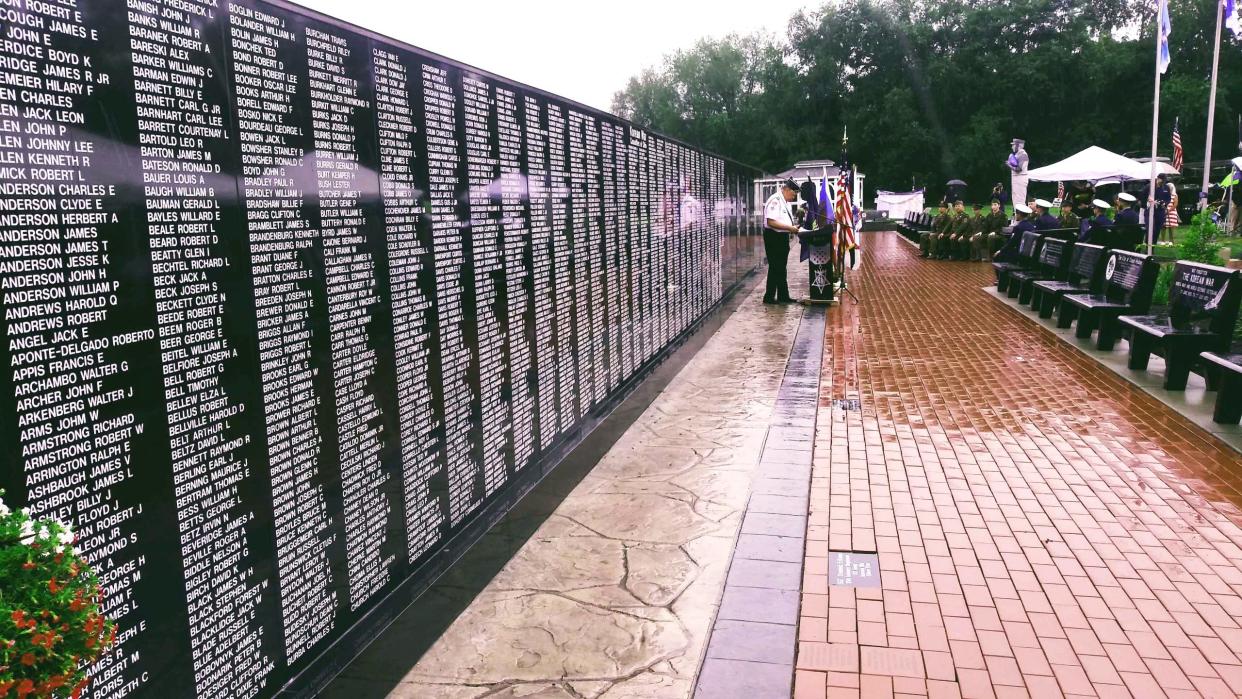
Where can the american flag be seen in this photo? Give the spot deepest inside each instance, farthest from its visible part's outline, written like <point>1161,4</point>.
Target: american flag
<point>1061,191</point>
<point>1178,156</point>
<point>844,210</point>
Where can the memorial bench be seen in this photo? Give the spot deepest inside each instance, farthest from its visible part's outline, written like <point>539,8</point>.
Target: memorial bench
<point>1203,308</point>
<point>1053,264</point>
<point>1129,280</point>
<point>1085,275</point>
<point>1127,236</point>
<point>1226,367</point>
<point>1028,251</point>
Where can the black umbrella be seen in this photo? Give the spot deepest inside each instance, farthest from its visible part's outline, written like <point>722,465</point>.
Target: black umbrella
<point>955,183</point>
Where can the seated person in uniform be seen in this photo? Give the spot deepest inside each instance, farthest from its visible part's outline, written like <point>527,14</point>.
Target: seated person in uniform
<point>978,232</point>
<point>1044,221</point>
<point>1127,213</point>
<point>927,239</point>
<point>1081,195</point>
<point>994,233</point>
<point>959,234</point>
<point>1098,226</point>
<point>1068,218</point>
<point>1009,253</point>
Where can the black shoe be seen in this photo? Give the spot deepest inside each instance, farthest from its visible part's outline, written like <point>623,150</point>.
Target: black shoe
<point>769,301</point>
<point>785,301</point>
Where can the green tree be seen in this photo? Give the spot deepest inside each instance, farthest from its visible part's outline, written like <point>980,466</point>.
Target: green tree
<point>934,90</point>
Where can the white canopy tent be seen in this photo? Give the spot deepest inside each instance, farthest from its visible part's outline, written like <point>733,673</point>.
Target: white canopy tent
<point>1097,166</point>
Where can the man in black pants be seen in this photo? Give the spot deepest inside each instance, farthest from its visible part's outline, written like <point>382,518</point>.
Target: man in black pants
<point>778,223</point>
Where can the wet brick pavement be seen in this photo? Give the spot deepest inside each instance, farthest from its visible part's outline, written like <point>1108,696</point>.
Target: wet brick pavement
<point>1044,528</point>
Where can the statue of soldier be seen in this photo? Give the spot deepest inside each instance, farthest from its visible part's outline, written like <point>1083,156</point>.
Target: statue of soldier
<point>1018,164</point>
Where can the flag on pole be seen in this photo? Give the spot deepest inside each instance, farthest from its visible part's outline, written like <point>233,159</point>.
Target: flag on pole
<point>1164,27</point>
<point>845,240</point>
<point>825,211</point>
<point>1231,17</point>
<point>1178,155</point>
<point>1061,191</point>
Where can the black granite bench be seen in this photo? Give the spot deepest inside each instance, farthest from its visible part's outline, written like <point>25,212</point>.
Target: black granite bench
<point>1203,308</point>
<point>1085,275</point>
<point>1053,264</point>
<point>1028,252</point>
<point>1227,368</point>
<point>914,225</point>
<point>1129,237</point>
<point>1129,280</point>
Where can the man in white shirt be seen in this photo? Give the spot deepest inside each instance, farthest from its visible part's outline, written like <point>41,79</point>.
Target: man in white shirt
<point>778,224</point>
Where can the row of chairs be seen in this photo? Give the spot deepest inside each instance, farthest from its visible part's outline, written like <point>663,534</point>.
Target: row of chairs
<point>914,224</point>
<point>1119,237</point>
<point>1108,292</point>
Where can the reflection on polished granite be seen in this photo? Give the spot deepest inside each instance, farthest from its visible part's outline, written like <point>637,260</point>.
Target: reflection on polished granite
<point>608,590</point>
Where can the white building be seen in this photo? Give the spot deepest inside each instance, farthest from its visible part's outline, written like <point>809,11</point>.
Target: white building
<point>815,170</point>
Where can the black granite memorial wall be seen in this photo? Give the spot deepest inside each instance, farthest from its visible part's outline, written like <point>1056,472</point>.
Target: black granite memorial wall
<point>289,306</point>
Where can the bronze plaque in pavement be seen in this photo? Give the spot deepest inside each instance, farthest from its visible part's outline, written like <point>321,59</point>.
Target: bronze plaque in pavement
<point>850,569</point>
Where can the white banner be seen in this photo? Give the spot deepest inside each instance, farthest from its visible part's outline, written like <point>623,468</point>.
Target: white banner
<point>898,204</point>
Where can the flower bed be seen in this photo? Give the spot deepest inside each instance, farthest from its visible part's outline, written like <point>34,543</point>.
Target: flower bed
<point>51,627</point>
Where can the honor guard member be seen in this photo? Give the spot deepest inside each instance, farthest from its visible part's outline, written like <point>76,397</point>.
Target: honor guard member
<point>1009,253</point>
<point>778,225</point>
<point>1045,221</point>
<point>994,234</point>
<point>927,239</point>
<point>1068,218</point>
<point>1126,213</point>
<point>963,228</point>
<point>1098,226</point>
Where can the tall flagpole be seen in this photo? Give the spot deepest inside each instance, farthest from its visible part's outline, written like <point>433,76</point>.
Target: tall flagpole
<point>1155,127</point>
<point>1207,149</point>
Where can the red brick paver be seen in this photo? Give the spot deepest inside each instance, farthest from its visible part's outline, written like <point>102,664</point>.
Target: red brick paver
<point>1044,529</point>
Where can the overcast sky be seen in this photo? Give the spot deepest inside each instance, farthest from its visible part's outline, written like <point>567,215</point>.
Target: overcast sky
<point>582,50</point>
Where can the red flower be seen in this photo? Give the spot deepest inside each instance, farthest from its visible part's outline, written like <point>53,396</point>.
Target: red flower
<point>5,686</point>
<point>28,659</point>
<point>26,687</point>
<point>18,615</point>
<point>54,586</point>
<point>28,565</point>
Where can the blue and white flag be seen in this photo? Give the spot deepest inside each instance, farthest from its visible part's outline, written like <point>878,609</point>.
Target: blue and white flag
<point>1165,28</point>
<point>1231,17</point>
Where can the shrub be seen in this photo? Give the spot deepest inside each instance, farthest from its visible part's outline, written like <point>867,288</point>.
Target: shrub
<point>1199,243</point>
<point>51,628</point>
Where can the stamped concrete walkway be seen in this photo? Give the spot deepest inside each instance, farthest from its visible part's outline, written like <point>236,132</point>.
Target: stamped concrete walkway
<point>1044,528</point>
<point>615,593</point>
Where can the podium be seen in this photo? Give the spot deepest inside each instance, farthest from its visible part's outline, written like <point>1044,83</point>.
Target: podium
<point>817,244</point>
